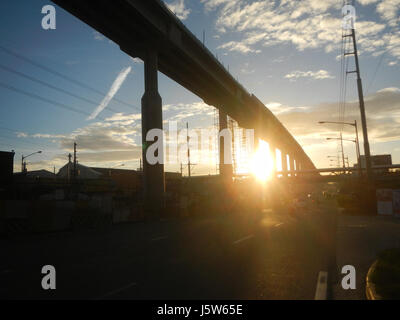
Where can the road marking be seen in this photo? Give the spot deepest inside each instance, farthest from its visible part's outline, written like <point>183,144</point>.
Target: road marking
<point>322,286</point>
<point>117,290</point>
<point>159,238</point>
<point>243,239</point>
<point>278,224</point>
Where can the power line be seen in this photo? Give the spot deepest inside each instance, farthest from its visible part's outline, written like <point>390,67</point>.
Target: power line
<point>24,75</point>
<point>76,82</point>
<point>379,64</point>
<point>38,97</point>
<point>21,141</point>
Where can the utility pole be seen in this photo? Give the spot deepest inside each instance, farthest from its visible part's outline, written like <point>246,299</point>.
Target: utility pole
<point>74,175</point>
<point>188,148</point>
<point>341,144</point>
<point>347,162</point>
<point>362,106</point>
<point>69,167</point>
<point>358,150</point>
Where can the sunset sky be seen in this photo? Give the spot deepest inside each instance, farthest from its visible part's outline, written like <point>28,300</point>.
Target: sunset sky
<point>73,84</point>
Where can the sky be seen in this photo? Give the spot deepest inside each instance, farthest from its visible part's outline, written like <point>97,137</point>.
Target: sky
<point>73,84</point>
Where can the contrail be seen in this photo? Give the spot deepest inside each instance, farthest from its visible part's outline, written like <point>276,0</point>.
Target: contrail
<point>111,93</point>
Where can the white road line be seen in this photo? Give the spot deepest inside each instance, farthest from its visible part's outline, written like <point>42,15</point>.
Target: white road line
<point>278,224</point>
<point>243,239</point>
<point>118,290</point>
<point>322,286</point>
<point>159,238</point>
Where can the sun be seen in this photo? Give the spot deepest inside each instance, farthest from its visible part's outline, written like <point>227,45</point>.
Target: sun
<point>262,164</point>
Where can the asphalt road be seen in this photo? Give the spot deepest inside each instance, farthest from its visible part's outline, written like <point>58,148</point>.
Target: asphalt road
<point>359,241</point>
<point>267,255</point>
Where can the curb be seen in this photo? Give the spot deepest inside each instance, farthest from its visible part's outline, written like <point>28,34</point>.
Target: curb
<point>370,286</point>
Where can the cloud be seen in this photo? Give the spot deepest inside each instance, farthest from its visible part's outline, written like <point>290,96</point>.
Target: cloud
<point>366,2</point>
<point>178,7</point>
<point>238,46</point>
<point>111,135</point>
<point>383,120</point>
<point>389,10</point>
<point>94,158</point>
<point>316,75</point>
<point>137,60</point>
<point>306,24</point>
<point>196,112</point>
<point>98,36</point>
<point>383,117</point>
<point>111,93</point>
<point>245,69</point>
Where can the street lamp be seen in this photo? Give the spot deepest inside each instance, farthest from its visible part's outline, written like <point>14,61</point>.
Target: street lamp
<point>23,164</point>
<point>354,124</point>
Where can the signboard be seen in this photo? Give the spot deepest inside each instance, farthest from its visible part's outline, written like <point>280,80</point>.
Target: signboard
<point>384,198</point>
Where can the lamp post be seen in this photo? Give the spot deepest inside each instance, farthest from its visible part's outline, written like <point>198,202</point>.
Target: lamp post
<point>23,164</point>
<point>354,124</point>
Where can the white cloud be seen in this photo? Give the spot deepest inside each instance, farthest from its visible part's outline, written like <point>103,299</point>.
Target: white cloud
<point>98,36</point>
<point>136,60</point>
<point>238,46</point>
<point>111,93</point>
<point>383,119</point>
<point>317,75</point>
<point>306,24</point>
<point>389,10</point>
<point>366,2</point>
<point>382,109</point>
<point>178,7</point>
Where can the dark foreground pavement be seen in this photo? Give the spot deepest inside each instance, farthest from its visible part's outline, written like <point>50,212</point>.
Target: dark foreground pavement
<point>359,240</point>
<point>270,255</point>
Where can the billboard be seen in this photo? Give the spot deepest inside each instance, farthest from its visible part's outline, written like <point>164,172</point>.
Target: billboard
<point>384,199</point>
<point>378,160</point>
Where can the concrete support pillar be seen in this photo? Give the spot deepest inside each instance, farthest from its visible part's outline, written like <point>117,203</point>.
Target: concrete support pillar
<point>291,165</point>
<point>153,174</point>
<point>225,148</point>
<point>272,152</point>
<point>298,167</point>
<point>256,140</point>
<point>284,163</point>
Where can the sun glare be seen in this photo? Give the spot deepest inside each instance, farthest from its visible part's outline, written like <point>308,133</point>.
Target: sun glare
<point>262,162</point>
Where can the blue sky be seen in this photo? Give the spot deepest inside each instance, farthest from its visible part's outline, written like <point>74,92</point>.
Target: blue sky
<point>285,52</point>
